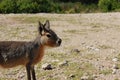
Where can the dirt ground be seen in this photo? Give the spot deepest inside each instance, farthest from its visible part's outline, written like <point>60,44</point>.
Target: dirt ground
<point>95,36</point>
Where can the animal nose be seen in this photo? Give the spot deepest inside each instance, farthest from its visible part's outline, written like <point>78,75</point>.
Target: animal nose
<point>59,41</point>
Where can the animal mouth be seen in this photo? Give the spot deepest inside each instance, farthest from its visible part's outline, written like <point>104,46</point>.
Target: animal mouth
<point>58,44</point>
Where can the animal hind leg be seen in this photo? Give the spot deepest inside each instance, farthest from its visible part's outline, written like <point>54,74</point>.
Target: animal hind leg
<point>33,73</point>
<point>28,72</point>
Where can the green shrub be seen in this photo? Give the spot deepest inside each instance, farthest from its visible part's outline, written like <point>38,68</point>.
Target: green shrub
<point>77,7</point>
<point>67,7</point>
<point>27,6</point>
<point>108,5</point>
<point>47,6</point>
<point>8,6</point>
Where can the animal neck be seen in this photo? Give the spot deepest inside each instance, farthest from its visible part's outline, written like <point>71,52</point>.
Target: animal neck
<point>38,44</point>
<point>38,50</point>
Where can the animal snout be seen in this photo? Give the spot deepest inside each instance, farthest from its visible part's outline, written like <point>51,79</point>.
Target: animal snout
<point>59,41</point>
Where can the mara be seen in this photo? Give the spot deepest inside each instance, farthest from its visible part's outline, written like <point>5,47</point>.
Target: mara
<point>14,53</point>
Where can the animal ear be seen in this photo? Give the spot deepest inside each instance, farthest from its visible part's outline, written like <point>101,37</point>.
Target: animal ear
<point>47,25</point>
<point>40,27</point>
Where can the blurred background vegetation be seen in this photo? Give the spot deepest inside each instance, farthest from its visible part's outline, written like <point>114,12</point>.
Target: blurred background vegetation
<point>58,6</point>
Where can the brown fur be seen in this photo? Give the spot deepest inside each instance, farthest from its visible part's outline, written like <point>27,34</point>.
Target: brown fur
<point>14,53</point>
<point>40,53</point>
<point>5,47</point>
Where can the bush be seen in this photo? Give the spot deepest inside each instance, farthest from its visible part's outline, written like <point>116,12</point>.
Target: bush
<point>47,6</point>
<point>108,5</point>
<point>27,6</point>
<point>8,6</point>
<point>78,7</point>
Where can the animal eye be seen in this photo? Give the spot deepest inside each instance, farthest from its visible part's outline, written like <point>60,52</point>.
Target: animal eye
<point>48,36</point>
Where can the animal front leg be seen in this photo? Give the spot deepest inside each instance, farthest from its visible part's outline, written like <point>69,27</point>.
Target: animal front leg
<point>33,73</point>
<point>28,72</point>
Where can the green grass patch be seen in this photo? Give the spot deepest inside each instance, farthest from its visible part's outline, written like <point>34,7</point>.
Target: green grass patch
<point>96,30</point>
<point>56,55</point>
<point>79,69</point>
<point>75,32</point>
<point>73,68</point>
<point>71,31</point>
<point>118,56</point>
<point>106,72</point>
<point>105,46</point>
<point>116,79</point>
<point>90,56</point>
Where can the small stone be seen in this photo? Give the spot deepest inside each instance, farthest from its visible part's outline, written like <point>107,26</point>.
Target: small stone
<point>96,49</point>
<point>92,48</point>
<point>101,67</point>
<point>47,66</point>
<point>115,66</point>
<point>21,76</point>
<point>84,77</point>
<point>75,51</point>
<point>95,76</point>
<point>72,76</point>
<point>55,60</point>
<point>114,71</point>
<point>115,59</point>
<point>83,43</point>
<point>64,63</point>
<point>113,51</point>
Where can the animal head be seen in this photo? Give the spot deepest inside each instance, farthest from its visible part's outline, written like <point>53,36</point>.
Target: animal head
<point>48,37</point>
